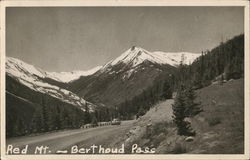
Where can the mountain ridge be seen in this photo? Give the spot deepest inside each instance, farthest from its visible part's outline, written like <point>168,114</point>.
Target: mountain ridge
<point>121,78</point>
<point>35,79</point>
<point>136,55</point>
<point>63,77</point>
<point>134,64</point>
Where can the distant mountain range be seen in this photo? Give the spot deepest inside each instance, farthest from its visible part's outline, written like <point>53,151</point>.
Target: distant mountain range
<point>110,84</point>
<point>119,79</point>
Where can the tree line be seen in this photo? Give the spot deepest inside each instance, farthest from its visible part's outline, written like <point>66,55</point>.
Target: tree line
<point>52,116</point>
<point>222,63</point>
<point>225,61</point>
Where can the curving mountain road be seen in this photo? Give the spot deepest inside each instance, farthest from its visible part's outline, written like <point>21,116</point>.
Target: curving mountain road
<point>107,136</point>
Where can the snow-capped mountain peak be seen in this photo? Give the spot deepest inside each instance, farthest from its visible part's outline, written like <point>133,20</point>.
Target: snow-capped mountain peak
<point>34,78</point>
<point>136,55</point>
<point>16,66</point>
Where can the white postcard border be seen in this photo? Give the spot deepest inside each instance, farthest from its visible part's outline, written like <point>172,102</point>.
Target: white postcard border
<point>117,3</point>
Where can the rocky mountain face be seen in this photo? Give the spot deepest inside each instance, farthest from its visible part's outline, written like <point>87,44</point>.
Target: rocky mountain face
<point>128,75</point>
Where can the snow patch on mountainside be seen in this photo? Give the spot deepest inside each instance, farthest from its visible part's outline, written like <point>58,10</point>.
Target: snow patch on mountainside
<point>175,59</point>
<point>70,76</point>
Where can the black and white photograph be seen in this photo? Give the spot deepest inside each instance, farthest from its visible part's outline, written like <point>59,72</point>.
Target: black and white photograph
<point>125,80</point>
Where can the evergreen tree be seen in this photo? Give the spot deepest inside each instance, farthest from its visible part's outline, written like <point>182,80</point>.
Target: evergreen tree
<point>45,116</point>
<point>64,118</point>
<point>37,121</point>
<point>167,91</point>
<point>222,79</point>
<point>58,122</point>
<point>179,112</point>
<point>94,120</point>
<point>191,107</point>
<point>87,118</point>
<point>141,111</point>
<point>21,127</point>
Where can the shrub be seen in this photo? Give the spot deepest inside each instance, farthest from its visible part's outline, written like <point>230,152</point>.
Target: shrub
<point>214,121</point>
<point>160,127</point>
<point>179,149</point>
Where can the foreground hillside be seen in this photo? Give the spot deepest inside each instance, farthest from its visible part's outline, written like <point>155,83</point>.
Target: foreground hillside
<point>219,128</point>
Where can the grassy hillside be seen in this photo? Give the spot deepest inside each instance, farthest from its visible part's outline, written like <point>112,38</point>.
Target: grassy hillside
<point>219,128</point>
<point>221,125</point>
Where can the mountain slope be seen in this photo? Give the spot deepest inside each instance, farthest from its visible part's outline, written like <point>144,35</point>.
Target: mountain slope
<point>36,103</point>
<point>219,128</point>
<point>128,75</point>
<point>17,67</point>
<point>37,80</point>
<point>26,108</point>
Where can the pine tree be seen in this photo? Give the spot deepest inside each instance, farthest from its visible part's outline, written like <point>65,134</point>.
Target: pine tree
<point>179,111</point>
<point>64,118</point>
<point>45,116</point>
<point>87,117</point>
<point>202,65</point>
<point>141,111</point>
<point>197,81</point>
<point>58,123</point>
<point>20,127</point>
<point>94,120</point>
<point>192,108</point>
<point>221,79</point>
<point>167,91</point>
<point>37,121</point>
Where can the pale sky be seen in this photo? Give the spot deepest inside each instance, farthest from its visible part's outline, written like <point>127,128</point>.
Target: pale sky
<point>80,38</point>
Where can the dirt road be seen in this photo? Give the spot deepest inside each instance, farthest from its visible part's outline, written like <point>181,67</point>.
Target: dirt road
<point>106,136</point>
